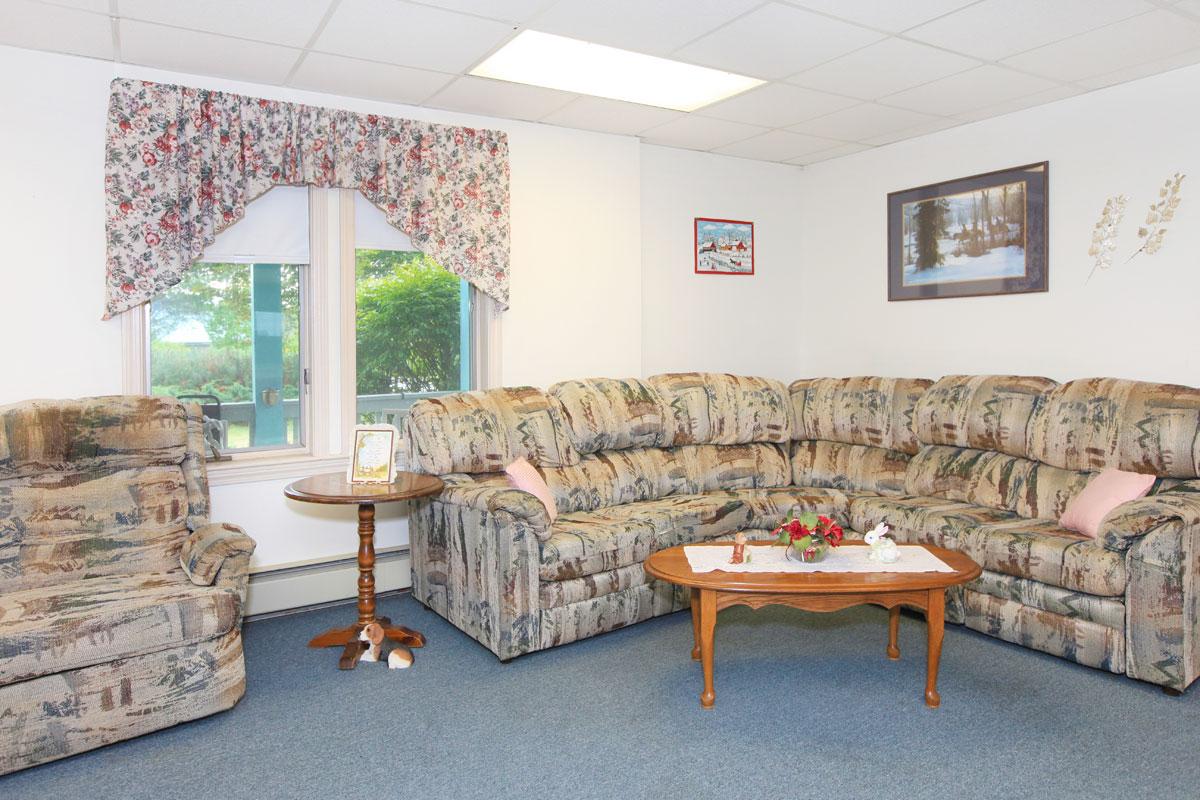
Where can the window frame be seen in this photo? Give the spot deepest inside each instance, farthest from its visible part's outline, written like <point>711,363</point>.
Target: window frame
<point>328,408</point>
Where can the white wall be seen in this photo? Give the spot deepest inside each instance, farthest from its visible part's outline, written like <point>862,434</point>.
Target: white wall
<point>1137,321</point>
<point>575,259</point>
<point>719,323</point>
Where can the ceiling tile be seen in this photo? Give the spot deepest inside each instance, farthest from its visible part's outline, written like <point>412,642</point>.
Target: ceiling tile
<point>832,152</point>
<point>700,133</point>
<point>1156,35</point>
<point>994,29</point>
<point>775,41</point>
<point>888,15</point>
<point>204,53</point>
<point>96,6</point>
<point>976,88</point>
<point>776,146</point>
<point>657,27</point>
<point>260,21</point>
<point>354,78</point>
<point>1158,65</point>
<point>1028,101</point>
<point>411,35</point>
<point>506,10</point>
<point>883,68</point>
<point>777,105</point>
<point>499,98</point>
<point>63,30</point>
<point>610,116</point>
<point>862,122</point>
<point>913,132</point>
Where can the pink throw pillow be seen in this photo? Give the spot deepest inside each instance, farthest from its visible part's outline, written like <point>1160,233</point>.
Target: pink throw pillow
<point>1106,491</point>
<point>523,476</point>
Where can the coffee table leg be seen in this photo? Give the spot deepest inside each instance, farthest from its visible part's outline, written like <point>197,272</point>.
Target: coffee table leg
<point>935,617</point>
<point>708,624</point>
<point>695,624</point>
<point>893,632</point>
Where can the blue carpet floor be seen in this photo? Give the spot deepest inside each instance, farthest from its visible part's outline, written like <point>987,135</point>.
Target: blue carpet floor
<point>808,706</point>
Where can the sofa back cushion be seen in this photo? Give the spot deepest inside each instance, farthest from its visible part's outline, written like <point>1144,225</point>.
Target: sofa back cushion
<point>609,414</point>
<point>485,431</point>
<point>982,412</point>
<point>716,408</point>
<point>995,480</point>
<point>96,486</point>
<point>849,467</point>
<point>854,434</point>
<point>616,477</point>
<point>877,412</point>
<point>1102,423</point>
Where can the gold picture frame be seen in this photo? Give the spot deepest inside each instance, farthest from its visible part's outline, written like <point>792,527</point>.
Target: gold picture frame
<point>373,454</point>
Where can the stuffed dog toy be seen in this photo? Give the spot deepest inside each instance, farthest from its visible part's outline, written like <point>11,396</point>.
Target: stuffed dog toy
<point>380,648</point>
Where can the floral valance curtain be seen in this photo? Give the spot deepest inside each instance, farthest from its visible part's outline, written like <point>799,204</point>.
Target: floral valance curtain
<point>181,164</point>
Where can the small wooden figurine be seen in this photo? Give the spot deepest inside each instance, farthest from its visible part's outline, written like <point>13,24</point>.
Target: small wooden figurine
<point>379,647</point>
<point>739,549</point>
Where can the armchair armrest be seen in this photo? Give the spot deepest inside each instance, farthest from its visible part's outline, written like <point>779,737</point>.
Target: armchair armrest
<point>1129,522</point>
<point>494,494</point>
<point>217,550</point>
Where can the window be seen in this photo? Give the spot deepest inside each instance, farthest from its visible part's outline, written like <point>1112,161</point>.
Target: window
<point>229,335</point>
<point>412,322</point>
<point>287,339</point>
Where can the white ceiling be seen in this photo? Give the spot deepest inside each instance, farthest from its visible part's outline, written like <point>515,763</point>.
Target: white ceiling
<point>844,75</point>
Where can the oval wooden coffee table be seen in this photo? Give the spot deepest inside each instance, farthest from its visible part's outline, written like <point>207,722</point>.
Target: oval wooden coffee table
<point>333,489</point>
<point>815,591</point>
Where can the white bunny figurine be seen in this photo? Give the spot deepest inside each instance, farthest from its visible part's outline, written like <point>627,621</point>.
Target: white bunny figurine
<point>883,547</point>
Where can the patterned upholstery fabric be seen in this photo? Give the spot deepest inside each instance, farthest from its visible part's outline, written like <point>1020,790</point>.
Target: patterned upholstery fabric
<point>924,520</point>
<point>715,408</point>
<point>1072,638</point>
<point>1099,423</point>
<point>1041,550</point>
<point>607,414</point>
<point>208,548</point>
<point>869,411</point>
<point>69,712</point>
<point>850,467</point>
<point>485,432</point>
<point>65,626</point>
<point>982,412</point>
<point>587,542</point>
<point>996,480</point>
<point>1106,611</point>
<point>103,503</point>
<point>1002,456</point>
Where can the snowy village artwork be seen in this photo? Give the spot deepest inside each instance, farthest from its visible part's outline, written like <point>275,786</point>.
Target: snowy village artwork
<point>724,247</point>
<point>979,235</point>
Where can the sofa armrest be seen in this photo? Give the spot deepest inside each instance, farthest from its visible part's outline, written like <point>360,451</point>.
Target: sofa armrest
<point>493,494</point>
<point>1130,522</point>
<point>217,553</point>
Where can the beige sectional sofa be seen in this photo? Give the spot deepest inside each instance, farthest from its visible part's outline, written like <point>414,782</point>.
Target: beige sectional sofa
<point>981,464</point>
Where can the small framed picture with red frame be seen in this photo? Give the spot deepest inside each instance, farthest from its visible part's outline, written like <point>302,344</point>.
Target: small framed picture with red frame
<point>724,246</point>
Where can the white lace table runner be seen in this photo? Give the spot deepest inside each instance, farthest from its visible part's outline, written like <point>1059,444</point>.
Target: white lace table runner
<point>760,558</point>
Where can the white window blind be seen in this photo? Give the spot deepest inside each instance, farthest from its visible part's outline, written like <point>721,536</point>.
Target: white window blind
<point>274,231</point>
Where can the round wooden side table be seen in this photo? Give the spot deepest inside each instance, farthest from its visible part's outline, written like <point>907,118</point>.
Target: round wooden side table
<point>333,489</point>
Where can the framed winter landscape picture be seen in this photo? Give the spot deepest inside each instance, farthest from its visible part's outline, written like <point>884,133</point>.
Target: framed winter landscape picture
<point>724,247</point>
<point>981,235</point>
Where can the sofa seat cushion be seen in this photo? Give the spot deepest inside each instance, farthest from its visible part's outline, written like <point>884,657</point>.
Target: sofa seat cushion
<point>769,507</point>
<point>1044,551</point>
<point>587,542</point>
<point>923,520</point>
<point>80,623</point>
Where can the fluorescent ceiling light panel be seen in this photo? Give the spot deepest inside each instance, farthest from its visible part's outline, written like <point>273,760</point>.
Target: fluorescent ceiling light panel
<point>571,65</point>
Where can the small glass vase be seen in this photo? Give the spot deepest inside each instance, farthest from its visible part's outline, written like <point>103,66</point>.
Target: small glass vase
<point>808,550</point>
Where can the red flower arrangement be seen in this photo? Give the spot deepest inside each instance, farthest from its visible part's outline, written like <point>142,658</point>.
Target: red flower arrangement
<point>808,536</point>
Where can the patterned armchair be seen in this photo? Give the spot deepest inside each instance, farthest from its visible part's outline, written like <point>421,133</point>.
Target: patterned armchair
<point>120,603</point>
